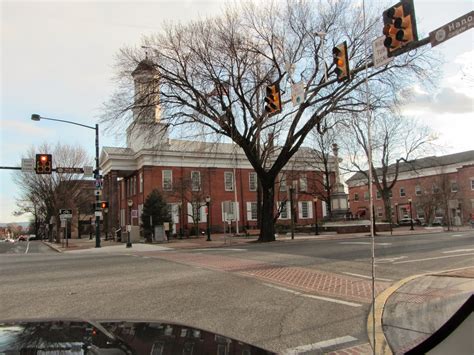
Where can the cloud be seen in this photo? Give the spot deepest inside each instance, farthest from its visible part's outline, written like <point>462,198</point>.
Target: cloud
<point>446,100</point>
<point>14,127</point>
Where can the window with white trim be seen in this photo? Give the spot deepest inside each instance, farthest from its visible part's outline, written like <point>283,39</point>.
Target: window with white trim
<point>366,195</point>
<point>141,183</point>
<point>472,184</point>
<point>167,176</point>
<point>303,183</point>
<point>305,209</point>
<point>356,197</point>
<point>284,208</point>
<point>379,195</point>
<point>435,189</point>
<point>197,212</point>
<point>251,211</point>
<point>402,192</point>
<point>196,180</point>
<point>454,186</point>
<point>418,190</point>
<point>229,181</point>
<point>252,181</point>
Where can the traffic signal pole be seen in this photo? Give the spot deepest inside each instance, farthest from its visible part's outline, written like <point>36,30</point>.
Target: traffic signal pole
<point>97,197</point>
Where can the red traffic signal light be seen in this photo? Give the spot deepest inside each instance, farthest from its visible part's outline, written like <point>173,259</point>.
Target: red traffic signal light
<point>399,27</point>
<point>104,204</point>
<point>44,163</point>
<point>341,60</point>
<point>273,99</point>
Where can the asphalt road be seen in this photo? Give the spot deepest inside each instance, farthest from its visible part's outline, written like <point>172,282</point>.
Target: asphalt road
<point>29,247</point>
<point>245,292</point>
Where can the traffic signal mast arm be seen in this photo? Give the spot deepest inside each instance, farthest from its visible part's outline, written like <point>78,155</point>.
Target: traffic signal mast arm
<point>407,48</point>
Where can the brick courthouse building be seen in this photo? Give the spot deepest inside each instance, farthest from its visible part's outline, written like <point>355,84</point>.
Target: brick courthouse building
<point>438,186</point>
<point>186,172</point>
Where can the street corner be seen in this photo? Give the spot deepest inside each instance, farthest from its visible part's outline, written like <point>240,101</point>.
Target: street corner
<point>412,309</point>
<point>52,246</point>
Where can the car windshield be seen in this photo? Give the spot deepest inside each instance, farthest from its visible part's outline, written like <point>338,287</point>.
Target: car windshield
<point>236,177</point>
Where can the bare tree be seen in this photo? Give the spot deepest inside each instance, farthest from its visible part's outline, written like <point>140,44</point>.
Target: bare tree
<point>395,141</point>
<point>44,195</point>
<point>214,72</point>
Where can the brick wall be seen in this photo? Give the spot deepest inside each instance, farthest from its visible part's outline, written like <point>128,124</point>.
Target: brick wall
<point>213,185</point>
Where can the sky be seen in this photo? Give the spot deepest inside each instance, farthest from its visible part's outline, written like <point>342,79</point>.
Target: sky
<point>57,60</point>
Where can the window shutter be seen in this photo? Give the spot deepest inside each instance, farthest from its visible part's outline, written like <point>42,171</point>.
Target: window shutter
<point>249,211</point>
<point>310,209</point>
<point>190,213</point>
<point>202,212</point>
<point>300,209</point>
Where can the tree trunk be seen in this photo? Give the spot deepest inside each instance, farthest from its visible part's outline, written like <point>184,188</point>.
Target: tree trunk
<point>267,229</point>
<point>387,207</point>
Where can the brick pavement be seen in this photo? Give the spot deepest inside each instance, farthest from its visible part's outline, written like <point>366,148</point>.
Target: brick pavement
<point>304,279</point>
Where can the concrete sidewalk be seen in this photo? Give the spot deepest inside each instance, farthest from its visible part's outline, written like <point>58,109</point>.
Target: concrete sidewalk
<point>413,309</point>
<point>222,240</point>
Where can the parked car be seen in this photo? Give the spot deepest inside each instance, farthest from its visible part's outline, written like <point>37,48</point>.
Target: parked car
<point>22,238</point>
<point>406,221</point>
<point>437,221</point>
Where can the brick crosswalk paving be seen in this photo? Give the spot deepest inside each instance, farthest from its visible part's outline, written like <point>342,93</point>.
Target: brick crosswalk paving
<point>216,262</point>
<point>304,279</point>
<point>361,349</point>
<point>320,282</point>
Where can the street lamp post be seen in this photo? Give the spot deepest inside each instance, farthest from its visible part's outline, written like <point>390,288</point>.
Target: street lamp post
<point>316,230</point>
<point>411,215</point>
<point>36,117</point>
<point>208,204</point>
<point>130,204</point>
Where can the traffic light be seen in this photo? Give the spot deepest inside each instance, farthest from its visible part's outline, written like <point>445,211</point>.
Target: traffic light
<point>104,204</point>
<point>341,61</point>
<point>44,163</point>
<point>399,27</point>
<point>273,99</point>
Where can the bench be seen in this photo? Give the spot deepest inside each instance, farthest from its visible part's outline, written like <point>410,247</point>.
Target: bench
<point>252,232</point>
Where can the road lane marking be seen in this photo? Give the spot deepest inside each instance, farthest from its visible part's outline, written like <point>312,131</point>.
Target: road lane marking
<point>435,258</point>
<point>27,247</point>
<point>366,277</point>
<point>390,260</point>
<point>320,345</point>
<point>363,243</point>
<point>457,251</point>
<point>218,249</point>
<point>457,235</point>
<point>334,300</point>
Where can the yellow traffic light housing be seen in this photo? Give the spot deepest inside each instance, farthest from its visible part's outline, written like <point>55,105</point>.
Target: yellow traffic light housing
<point>399,27</point>
<point>44,164</point>
<point>273,99</point>
<point>341,60</point>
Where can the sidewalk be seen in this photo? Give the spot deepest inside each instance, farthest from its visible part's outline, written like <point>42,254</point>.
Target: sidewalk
<point>222,240</point>
<point>412,310</point>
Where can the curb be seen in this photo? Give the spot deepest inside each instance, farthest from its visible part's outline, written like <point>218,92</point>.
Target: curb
<point>52,247</point>
<point>381,343</point>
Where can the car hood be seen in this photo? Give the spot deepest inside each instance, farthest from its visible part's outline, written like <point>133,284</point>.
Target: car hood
<point>75,336</point>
